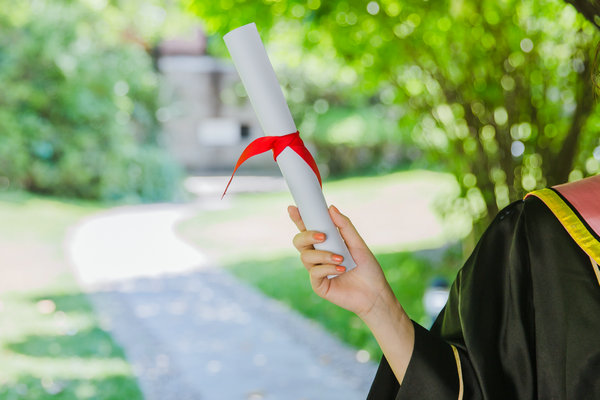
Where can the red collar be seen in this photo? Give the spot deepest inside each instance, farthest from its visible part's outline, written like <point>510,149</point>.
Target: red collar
<point>584,196</point>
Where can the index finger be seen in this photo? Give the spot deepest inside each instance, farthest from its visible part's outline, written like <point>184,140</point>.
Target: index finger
<point>295,216</point>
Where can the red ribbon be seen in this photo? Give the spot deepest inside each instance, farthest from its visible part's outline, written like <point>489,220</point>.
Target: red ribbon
<point>277,144</point>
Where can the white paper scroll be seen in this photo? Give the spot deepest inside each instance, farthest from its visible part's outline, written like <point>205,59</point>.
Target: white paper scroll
<point>255,70</point>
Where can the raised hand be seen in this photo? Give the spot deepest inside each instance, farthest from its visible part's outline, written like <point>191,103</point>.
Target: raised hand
<point>357,290</point>
<point>363,290</point>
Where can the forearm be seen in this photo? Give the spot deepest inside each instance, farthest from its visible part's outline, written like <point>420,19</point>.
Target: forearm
<point>393,330</point>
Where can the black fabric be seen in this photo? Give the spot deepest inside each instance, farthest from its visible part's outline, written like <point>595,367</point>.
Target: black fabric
<point>430,348</point>
<point>524,314</point>
<point>431,355</point>
<point>385,385</point>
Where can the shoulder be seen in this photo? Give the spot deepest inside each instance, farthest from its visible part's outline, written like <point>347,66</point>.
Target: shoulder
<point>506,224</point>
<point>547,211</point>
<point>521,215</point>
<point>529,207</point>
<point>505,246</point>
<point>501,249</point>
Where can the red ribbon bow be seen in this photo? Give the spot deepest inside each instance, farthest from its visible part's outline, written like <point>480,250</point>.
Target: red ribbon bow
<point>277,144</point>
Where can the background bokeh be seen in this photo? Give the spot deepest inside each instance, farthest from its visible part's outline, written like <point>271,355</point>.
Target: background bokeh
<point>121,119</point>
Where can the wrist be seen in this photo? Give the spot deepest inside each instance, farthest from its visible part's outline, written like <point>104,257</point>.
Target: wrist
<point>393,330</point>
<point>385,309</point>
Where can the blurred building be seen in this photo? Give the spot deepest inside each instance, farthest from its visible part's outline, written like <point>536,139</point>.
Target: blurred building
<point>206,117</point>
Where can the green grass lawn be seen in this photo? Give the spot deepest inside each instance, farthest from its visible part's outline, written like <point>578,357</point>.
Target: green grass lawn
<point>285,279</point>
<point>252,238</point>
<point>51,344</point>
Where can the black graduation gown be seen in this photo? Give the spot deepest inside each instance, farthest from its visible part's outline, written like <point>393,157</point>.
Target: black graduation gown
<point>523,316</point>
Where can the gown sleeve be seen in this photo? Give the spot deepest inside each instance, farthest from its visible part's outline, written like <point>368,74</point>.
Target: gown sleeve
<point>481,346</point>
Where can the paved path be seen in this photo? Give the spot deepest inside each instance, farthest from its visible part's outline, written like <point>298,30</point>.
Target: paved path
<point>192,331</point>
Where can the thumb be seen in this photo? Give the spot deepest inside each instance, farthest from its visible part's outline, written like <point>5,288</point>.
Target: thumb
<point>348,231</point>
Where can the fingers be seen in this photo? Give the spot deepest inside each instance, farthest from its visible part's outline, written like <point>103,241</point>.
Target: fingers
<point>311,257</point>
<point>295,216</point>
<point>306,240</point>
<point>319,272</point>
<point>348,231</point>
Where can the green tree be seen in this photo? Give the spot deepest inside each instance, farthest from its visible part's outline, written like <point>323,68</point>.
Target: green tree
<point>498,92</point>
<point>77,109</point>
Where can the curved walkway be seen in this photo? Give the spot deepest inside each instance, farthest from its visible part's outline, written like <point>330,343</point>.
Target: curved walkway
<point>191,330</point>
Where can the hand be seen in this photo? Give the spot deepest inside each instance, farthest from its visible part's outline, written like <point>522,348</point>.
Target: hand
<point>358,290</point>
<point>363,290</point>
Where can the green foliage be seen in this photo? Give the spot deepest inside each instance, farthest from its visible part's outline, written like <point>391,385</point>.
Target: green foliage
<point>497,92</point>
<point>77,112</point>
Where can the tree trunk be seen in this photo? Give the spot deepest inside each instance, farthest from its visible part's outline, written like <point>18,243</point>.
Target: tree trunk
<point>562,164</point>
<point>590,9</point>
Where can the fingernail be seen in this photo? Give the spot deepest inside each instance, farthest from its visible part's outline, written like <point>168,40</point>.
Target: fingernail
<point>340,268</point>
<point>337,259</point>
<point>334,208</point>
<point>319,236</point>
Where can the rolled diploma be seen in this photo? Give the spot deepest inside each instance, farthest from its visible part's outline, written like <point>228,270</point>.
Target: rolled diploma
<point>257,74</point>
